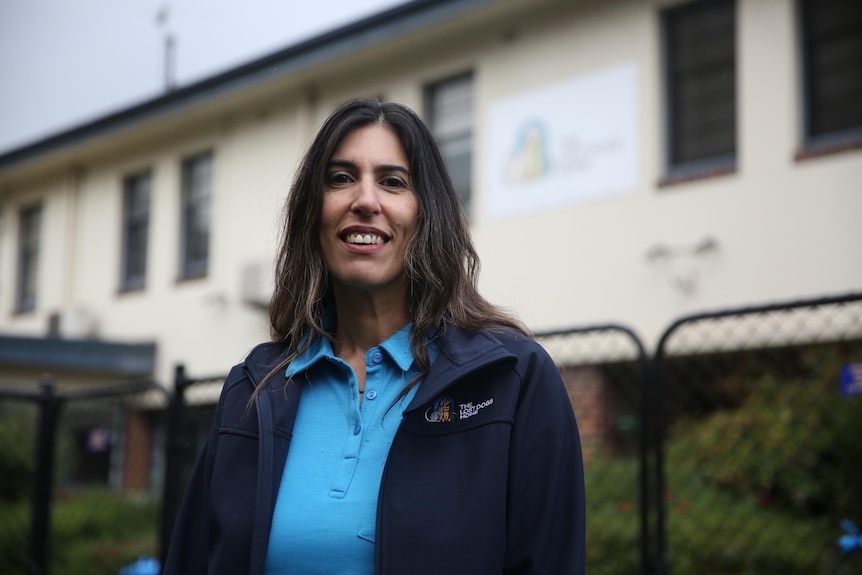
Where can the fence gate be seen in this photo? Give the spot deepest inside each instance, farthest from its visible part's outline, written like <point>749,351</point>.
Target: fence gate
<point>761,455</point>
<point>77,466</point>
<point>605,371</point>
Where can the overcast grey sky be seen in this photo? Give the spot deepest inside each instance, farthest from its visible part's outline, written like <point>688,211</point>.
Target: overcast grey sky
<point>64,62</point>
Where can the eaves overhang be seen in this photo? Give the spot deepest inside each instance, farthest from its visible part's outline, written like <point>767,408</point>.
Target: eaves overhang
<point>83,356</point>
<point>378,29</point>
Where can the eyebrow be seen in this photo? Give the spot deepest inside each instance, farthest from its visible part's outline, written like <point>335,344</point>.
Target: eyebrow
<point>336,163</point>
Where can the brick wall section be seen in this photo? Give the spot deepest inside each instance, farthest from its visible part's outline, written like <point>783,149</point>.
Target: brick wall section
<point>595,408</point>
<point>139,446</point>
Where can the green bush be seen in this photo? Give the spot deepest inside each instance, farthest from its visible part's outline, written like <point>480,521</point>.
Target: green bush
<point>97,531</point>
<point>17,454</point>
<point>613,520</point>
<point>716,531</point>
<point>14,532</point>
<point>94,532</point>
<point>793,443</point>
<point>757,487</point>
<point>760,488</point>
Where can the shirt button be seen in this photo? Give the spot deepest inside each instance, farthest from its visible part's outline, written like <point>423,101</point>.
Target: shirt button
<point>370,394</point>
<point>356,429</point>
<point>376,357</point>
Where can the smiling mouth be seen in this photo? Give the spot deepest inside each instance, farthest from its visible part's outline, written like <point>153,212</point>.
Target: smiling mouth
<point>364,239</point>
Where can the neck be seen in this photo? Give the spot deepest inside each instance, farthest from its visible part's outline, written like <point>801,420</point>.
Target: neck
<point>364,322</point>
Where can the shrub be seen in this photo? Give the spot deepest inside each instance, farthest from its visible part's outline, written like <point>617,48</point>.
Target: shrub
<point>17,456</point>
<point>97,531</point>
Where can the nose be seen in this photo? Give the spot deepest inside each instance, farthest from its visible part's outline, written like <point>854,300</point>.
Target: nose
<point>366,201</point>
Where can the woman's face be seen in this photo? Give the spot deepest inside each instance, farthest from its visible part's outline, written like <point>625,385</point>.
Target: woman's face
<point>369,213</point>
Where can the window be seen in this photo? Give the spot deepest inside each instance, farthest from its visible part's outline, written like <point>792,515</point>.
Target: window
<point>699,54</point>
<point>136,225</point>
<point>29,229</point>
<point>832,59</point>
<point>196,198</point>
<point>449,109</point>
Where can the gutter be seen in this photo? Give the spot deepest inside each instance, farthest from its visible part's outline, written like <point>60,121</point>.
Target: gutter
<point>362,34</point>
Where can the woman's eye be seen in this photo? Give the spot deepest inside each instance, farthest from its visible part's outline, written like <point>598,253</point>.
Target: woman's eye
<point>339,178</point>
<point>393,182</point>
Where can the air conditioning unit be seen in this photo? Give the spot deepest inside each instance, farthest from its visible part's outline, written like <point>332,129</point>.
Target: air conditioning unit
<point>73,322</point>
<point>257,283</point>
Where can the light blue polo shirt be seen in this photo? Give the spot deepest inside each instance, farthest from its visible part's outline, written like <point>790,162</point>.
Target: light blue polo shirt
<point>325,513</point>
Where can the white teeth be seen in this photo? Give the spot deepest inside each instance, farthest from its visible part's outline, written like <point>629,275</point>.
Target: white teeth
<point>364,239</point>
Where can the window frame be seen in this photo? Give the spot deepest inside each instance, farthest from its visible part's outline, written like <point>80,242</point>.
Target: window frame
<point>813,145</point>
<point>719,164</point>
<point>193,199</point>
<point>430,92</point>
<point>135,218</point>
<point>28,255</point>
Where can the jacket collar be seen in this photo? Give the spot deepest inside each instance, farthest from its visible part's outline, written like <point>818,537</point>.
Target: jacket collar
<point>263,359</point>
<point>461,353</point>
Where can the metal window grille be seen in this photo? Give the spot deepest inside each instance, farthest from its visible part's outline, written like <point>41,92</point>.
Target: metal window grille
<point>449,107</point>
<point>832,58</point>
<point>30,223</point>
<point>196,203</point>
<point>136,223</point>
<point>700,62</point>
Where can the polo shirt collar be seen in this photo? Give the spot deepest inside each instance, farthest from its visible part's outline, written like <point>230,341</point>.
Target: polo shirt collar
<point>397,347</point>
<point>321,348</point>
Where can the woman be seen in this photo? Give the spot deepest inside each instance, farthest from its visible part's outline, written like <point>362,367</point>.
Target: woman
<point>398,423</point>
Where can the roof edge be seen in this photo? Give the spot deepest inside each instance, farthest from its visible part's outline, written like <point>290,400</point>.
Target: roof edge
<point>88,356</point>
<point>324,47</point>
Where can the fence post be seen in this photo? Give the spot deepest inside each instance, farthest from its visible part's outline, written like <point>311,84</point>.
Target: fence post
<point>654,481</point>
<point>176,450</point>
<point>49,408</point>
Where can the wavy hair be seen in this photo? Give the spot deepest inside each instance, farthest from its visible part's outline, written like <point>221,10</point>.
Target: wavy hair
<point>440,262</point>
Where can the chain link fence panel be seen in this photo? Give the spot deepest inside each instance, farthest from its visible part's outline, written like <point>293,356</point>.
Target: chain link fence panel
<point>604,371</point>
<point>761,452</point>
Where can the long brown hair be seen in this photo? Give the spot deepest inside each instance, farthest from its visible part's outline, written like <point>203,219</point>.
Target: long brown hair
<point>441,262</point>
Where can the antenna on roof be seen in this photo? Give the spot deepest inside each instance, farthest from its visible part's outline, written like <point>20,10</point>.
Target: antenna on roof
<point>162,17</point>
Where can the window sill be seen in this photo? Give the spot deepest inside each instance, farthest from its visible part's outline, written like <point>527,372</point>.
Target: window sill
<point>23,311</point>
<point>693,175</point>
<point>812,150</point>
<point>132,289</point>
<point>191,277</point>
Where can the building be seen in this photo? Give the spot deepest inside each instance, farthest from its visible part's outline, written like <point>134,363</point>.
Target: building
<point>624,161</point>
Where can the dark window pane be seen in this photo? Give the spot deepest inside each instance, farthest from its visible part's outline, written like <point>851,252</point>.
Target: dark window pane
<point>449,110</point>
<point>29,231</point>
<point>832,40</point>
<point>197,191</point>
<point>701,76</point>
<point>136,222</point>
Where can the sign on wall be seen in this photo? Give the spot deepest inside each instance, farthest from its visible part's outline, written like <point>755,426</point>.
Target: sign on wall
<point>569,142</point>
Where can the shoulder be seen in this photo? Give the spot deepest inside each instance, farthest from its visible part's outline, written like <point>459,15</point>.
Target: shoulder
<point>501,344</point>
<point>526,349</point>
<point>259,362</point>
<point>267,353</point>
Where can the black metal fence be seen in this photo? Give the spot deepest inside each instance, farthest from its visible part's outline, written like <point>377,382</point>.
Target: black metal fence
<point>761,452</point>
<point>730,450</point>
<point>605,370</point>
<point>76,465</point>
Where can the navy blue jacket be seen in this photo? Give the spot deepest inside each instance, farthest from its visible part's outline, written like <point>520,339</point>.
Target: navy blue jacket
<point>484,475</point>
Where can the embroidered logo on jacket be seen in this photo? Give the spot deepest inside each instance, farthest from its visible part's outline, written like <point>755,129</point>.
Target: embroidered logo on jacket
<point>440,411</point>
<point>469,410</point>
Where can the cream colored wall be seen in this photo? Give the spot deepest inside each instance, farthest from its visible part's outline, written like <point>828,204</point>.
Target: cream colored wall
<point>785,230</point>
